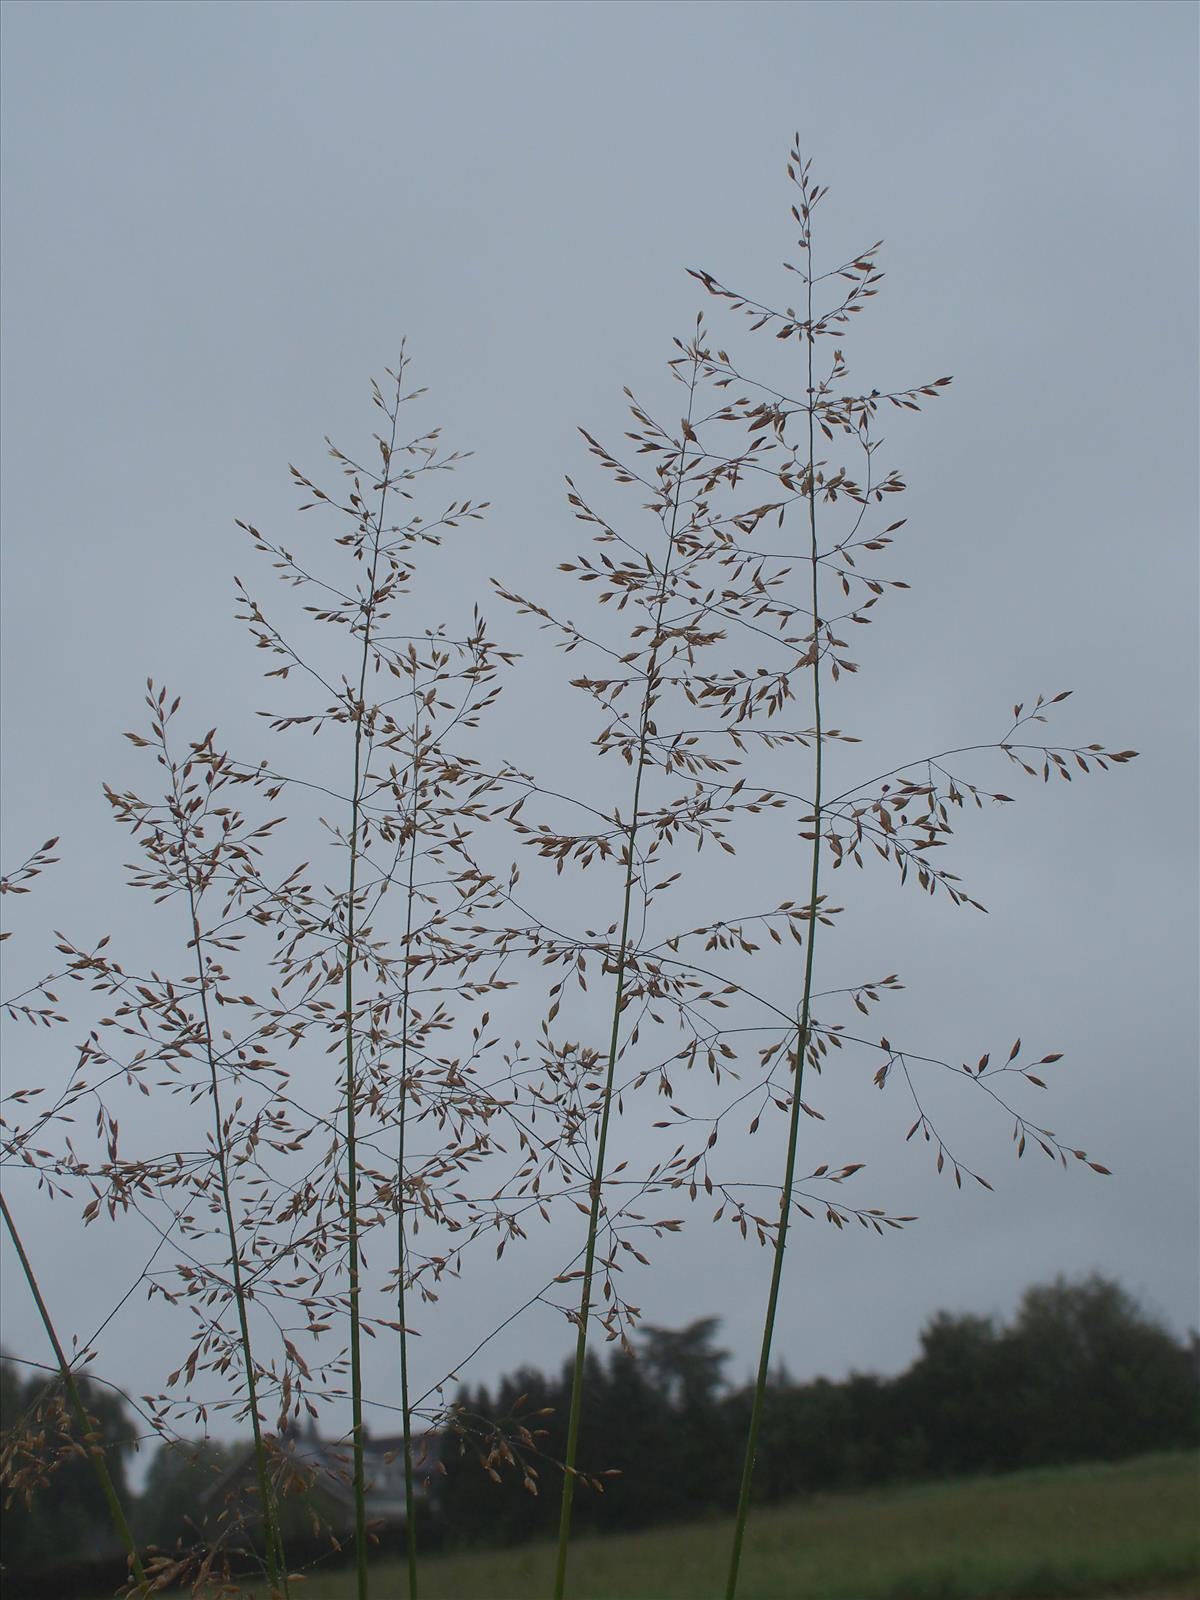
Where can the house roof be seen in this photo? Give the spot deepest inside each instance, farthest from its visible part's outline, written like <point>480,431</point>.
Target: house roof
<point>330,1463</point>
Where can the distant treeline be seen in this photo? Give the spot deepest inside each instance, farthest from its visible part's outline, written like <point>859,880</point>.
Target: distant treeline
<point>1082,1373</point>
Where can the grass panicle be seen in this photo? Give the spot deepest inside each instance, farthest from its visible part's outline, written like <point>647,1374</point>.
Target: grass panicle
<point>728,628</point>
<point>326,1007</point>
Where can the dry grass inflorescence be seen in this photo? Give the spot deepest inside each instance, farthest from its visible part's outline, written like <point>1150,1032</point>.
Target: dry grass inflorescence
<point>356,943</point>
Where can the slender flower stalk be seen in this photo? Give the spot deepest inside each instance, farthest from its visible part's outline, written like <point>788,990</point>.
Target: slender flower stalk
<point>597,1182</point>
<point>369,605</point>
<point>408,830</point>
<point>272,1532</point>
<point>805,1010</point>
<point>402,1263</point>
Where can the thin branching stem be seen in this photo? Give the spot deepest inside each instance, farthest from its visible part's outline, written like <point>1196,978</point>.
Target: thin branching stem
<point>272,1535</point>
<point>631,874</point>
<point>410,1525</point>
<point>351,955</point>
<point>802,1035</point>
<point>360,1510</point>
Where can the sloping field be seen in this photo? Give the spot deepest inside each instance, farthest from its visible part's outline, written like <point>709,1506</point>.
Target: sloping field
<point>1130,1528</point>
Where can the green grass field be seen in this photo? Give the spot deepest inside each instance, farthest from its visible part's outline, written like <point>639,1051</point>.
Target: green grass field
<point>1131,1528</point>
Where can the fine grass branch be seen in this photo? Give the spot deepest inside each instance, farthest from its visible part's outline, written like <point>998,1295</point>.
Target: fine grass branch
<point>184,792</point>
<point>413,796</point>
<point>693,613</point>
<point>596,1187</point>
<point>720,632</point>
<point>402,1264</point>
<point>369,606</point>
<point>193,843</point>
<point>800,1051</point>
<point>296,1183</point>
<point>904,813</point>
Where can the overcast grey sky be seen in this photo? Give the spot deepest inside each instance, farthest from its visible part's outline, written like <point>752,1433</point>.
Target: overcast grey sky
<point>221,219</point>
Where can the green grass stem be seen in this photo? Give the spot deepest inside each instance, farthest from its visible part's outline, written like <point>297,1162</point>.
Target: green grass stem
<point>802,1032</point>
<point>597,1183</point>
<point>410,1524</point>
<point>353,1263</point>
<point>272,1532</point>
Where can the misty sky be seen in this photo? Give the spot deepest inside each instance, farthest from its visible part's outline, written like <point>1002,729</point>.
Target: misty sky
<point>220,221</point>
